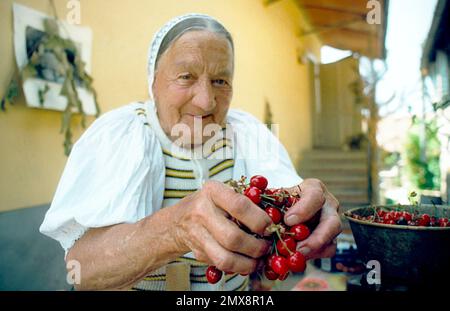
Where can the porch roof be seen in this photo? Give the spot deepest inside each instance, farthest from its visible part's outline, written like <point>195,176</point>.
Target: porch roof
<point>342,24</point>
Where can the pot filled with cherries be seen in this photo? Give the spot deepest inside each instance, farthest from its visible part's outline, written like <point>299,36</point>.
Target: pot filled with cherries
<point>283,257</point>
<point>411,242</point>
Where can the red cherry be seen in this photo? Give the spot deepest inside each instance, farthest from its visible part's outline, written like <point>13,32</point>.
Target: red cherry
<point>297,262</point>
<point>253,194</point>
<point>407,216</point>
<point>259,182</point>
<point>397,215</point>
<point>275,214</point>
<point>291,200</point>
<point>268,192</point>
<point>213,275</point>
<point>269,259</point>
<point>387,217</point>
<point>300,231</point>
<point>284,276</point>
<point>443,222</point>
<point>279,196</point>
<point>424,220</point>
<point>381,213</point>
<point>434,222</point>
<point>270,274</point>
<point>280,265</point>
<point>290,243</point>
<point>421,223</point>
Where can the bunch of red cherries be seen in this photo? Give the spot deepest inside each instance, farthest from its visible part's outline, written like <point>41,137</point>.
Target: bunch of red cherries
<point>283,256</point>
<point>405,218</point>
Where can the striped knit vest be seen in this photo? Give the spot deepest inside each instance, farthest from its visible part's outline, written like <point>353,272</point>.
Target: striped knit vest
<point>184,176</point>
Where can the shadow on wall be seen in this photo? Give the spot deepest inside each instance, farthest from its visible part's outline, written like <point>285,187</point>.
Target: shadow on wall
<point>28,259</point>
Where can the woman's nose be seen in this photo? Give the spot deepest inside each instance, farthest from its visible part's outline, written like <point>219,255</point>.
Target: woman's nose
<point>204,96</point>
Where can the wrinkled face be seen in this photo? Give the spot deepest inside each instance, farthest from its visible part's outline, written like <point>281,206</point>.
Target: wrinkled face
<point>193,83</point>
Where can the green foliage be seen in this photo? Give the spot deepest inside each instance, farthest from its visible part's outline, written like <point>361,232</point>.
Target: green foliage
<point>69,65</point>
<point>268,121</point>
<point>11,92</point>
<point>390,201</point>
<point>424,172</point>
<point>389,159</point>
<point>42,94</point>
<point>412,198</point>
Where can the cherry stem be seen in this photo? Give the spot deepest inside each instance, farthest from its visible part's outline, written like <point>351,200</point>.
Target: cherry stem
<point>276,250</point>
<point>265,196</point>
<point>375,215</point>
<point>284,243</point>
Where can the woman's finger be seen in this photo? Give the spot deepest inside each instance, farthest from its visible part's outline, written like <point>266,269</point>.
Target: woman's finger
<point>312,200</point>
<point>328,228</point>
<point>238,206</point>
<point>327,251</point>
<point>233,238</point>
<point>222,258</point>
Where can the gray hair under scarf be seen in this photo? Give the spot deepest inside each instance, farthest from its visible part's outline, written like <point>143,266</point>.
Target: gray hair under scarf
<point>174,29</point>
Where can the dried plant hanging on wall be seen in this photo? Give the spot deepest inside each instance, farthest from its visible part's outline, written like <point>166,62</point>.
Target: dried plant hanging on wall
<point>52,68</point>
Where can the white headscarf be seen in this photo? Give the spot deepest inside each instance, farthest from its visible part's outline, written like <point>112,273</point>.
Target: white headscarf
<point>158,39</point>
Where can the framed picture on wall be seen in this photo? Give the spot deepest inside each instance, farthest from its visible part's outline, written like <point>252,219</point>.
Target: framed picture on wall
<point>28,33</point>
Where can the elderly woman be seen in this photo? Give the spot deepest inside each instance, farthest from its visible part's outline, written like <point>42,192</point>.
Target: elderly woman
<point>139,208</point>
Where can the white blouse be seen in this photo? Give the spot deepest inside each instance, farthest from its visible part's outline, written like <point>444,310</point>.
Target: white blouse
<point>115,172</point>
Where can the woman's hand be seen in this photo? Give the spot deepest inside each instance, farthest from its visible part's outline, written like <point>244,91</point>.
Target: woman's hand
<point>204,226</point>
<point>316,202</point>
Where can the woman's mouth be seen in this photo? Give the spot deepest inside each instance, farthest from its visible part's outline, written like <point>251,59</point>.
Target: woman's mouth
<point>200,116</point>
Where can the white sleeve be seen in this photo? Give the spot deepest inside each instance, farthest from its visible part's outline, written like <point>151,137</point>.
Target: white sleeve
<point>262,152</point>
<point>111,177</point>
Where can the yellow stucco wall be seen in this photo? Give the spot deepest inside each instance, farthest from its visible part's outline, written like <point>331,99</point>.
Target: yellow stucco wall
<point>266,39</point>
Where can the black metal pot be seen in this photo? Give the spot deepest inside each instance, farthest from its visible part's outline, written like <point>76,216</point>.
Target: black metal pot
<point>415,256</point>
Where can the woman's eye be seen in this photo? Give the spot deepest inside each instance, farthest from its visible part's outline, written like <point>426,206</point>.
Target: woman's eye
<point>219,82</point>
<point>187,76</point>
